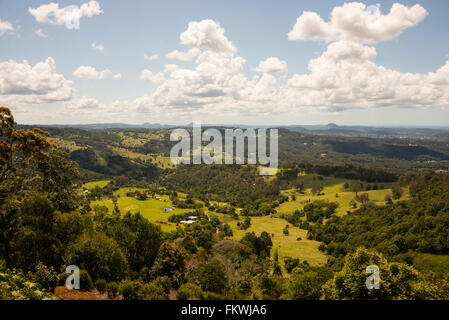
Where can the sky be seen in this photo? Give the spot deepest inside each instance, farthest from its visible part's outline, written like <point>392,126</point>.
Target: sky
<point>226,62</point>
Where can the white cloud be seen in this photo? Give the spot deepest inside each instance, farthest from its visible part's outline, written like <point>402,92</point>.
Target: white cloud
<point>356,22</point>
<point>52,14</point>
<point>171,67</point>
<point>118,76</point>
<point>147,75</point>
<point>97,47</point>
<point>21,83</point>
<point>208,34</point>
<point>150,58</point>
<point>40,33</point>
<point>272,64</point>
<point>89,72</point>
<point>344,76</point>
<point>183,56</point>
<point>84,103</point>
<point>5,26</point>
<point>350,51</point>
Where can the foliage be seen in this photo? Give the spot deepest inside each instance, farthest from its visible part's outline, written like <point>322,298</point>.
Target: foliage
<point>100,255</point>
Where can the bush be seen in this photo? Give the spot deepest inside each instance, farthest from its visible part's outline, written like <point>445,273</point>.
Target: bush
<point>86,283</point>
<point>46,277</point>
<point>100,255</point>
<point>210,276</point>
<point>100,284</point>
<point>189,291</point>
<point>152,291</point>
<point>62,277</point>
<point>112,289</point>
<point>130,289</point>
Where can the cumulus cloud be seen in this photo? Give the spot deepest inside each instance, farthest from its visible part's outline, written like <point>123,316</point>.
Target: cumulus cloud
<point>183,56</point>
<point>147,75</point>
<point>52,14</point>
<point>97,47</point>
<point>356,22</point>
<point>40,33</point>
<point>272,64</point>
<point>344,76</point>
<point>150,58</point>
<point>89,72</point>
<point>84,104</point>
<point>208,34</point>
<point>21,83</point>
<point>5,26</point>
<point>171,67</point>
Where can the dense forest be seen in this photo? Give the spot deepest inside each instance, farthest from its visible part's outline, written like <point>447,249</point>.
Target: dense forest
<point>48,221</point>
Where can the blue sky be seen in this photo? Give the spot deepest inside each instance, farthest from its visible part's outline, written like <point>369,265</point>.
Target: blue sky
<point>206,89</point>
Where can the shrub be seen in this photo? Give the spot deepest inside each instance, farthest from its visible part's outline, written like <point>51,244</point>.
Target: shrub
<point>210,276</point>
<point>189,291</point>
<point>112,289</point>
<point>46,277</point>
<point>100,255</point>
<point>152,291</point>
<point>100,284</point>
<point>86,283</point>
<point>62,277</point>
<point>130,289</point>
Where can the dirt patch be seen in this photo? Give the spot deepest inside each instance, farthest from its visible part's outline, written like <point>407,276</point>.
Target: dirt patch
<point>67,294</point>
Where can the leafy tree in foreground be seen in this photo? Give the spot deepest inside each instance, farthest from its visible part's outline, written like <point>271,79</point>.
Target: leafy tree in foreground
<point>170,262</point>
<point>397,280</point>
<point>100,255</point>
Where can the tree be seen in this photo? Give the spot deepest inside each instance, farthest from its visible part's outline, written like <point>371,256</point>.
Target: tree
<point>396,191</point>
<point>306,286</point>
<point>397,280</point>
<point>29,232</point>
<point>210,276</point>
<point>170,262</point>
<point>356,187</point>
<point>260,245</point>
<point>28,162</point>
<point>100,255</point>
<point>138,238</point>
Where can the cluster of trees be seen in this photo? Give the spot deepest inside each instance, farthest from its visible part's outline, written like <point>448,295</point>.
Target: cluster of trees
<point>420,224</point>
<point>237,185</point>
<point>314,212</point>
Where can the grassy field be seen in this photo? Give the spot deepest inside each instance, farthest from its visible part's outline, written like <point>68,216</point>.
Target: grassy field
<point>93,184</point>
<point>331,188</point>
<point>288,246</point>
<point>151,209</point>
<point>158,160</point>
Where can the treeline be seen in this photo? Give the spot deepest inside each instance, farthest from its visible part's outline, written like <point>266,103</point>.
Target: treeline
<point>235,184</point>
<point>109,164</point>
<point>347,171</point>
